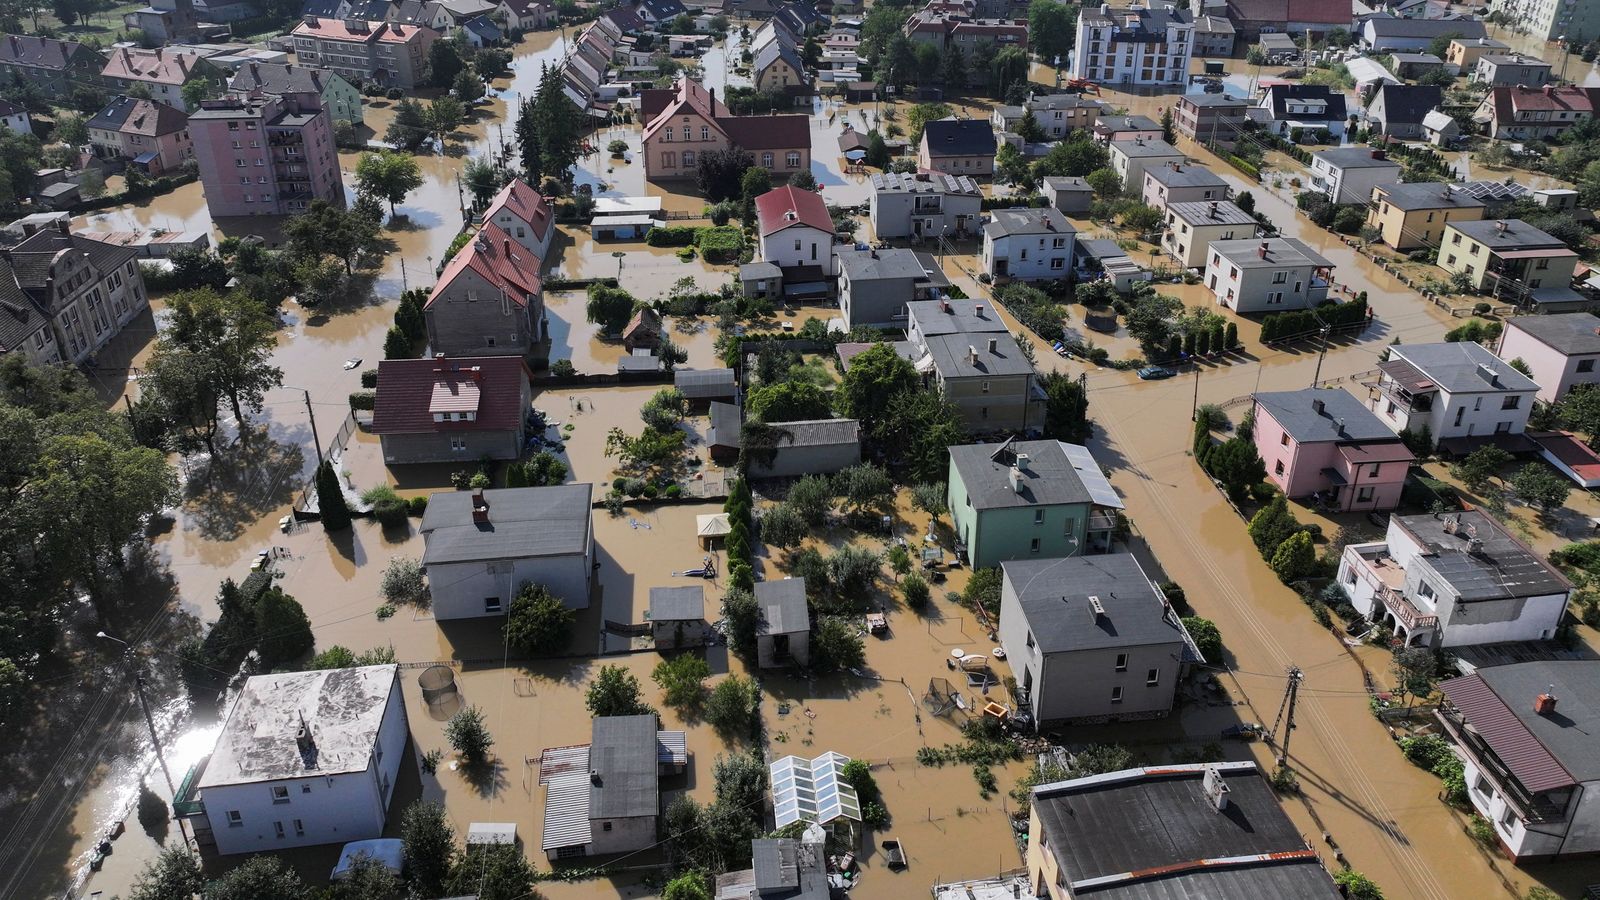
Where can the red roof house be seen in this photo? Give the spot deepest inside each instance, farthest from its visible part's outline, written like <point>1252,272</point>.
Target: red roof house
<point>489,300</point>
<point>1524,113</point>
<point>447,409</point>
<point>796,229</point>
<point>524,214</point>
<point>687,120</point>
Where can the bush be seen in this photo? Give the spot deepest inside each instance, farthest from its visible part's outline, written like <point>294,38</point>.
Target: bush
<point>915,591</point>
<point>1206,638</point>
<point>369,379</point>
<point>538,624</point>
<point>419,505</point>
<point>469,736</point>
<point>733,708</point>
<point>391,512</point>
<point>671,236</point>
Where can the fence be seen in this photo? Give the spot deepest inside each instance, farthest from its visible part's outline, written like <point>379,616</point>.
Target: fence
<point>303,504</point>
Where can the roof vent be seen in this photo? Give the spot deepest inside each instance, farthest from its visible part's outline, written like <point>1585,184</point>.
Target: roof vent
<point>994,344</point>
<point>1216,789</point>
<point>1262,250</point>
<point>307,744</point>
<point>1022,461</point>
<point>972,355</point>
<point>1096,607</point>
<point>978,311</point>
<point>1318,406</point>
<point>1487,373</point>
<point>595,779</point>
<point>480,508</point>
<point>1500,227</point>
<point>1545,703</point>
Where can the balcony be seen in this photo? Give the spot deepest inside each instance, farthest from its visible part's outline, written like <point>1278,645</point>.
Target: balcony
<point>186,804</point>
<point>1532,809</point>
<point>1405,611</point>
<point>1317,290</point>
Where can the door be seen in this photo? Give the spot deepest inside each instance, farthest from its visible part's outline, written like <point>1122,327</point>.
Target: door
<point>780,646</point>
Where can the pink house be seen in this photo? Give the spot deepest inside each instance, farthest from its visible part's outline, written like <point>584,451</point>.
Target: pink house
<point>1327,443</point>
<point>1561,351</point>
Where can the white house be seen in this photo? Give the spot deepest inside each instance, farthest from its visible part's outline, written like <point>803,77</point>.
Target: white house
<point>15,118</point>
<point>1133,45</point>
<point>1028,244</point>
<point>1130,159</point>
<point>1526,735</point>
<point>1178,182</point>
<point>796,229</point>
<point>304,758</point>
<point>1560,351</point>
<point>1192,227</point>
<point>1452,580</point>
<point>1349,174</point>
<point>522,212</point>
<point>482,546</point>
<point>1267,275</point>
<point>1463,394</point>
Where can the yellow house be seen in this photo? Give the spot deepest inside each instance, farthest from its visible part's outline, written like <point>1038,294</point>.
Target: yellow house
<point>1464,53</point>
<point>1410,216</point>
<point>778,68</point>
<point>1511,260</point>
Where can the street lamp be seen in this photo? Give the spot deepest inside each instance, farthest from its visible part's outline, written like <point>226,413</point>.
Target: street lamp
<point>619,255</point>
<point>144,704</point>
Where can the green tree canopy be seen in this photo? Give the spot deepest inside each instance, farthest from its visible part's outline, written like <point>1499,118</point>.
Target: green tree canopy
<point>389,175</point>
<point>615,692</point>
<point>538,624</point>
<point>429,842</point>
<point>788,401</point>
<point>1052,28</point>
<point>876,375</point>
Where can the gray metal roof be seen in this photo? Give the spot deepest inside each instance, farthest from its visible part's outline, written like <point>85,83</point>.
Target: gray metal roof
<point>1093,477</point>
<point>727,421</point>
<point>1007,222</point>
<point>1054,595</point>
<point>1117,827</point>
<point>933,317</point>
<point>1568,333</point>
<point>1428,195</point>
<point>1057,183</point>
<point>786,869</point>
<point>1142,149</point>
<point>1514,235</point>
<point>341,708</point>
<point>783,606</point>
<point>1501,566</point>
<point>1342,417</point>
<point>698,384</point>
<point>1245,253</point>
<point>1463,367</point>
<point>758,270</point>
<point>624,759</point>
<point>969,356</point>
<point>523,523</point>
<point>896,262</point>
<point>1543,752</point>
<point>566,810</point>
<point>1355,158</point>
<point>1049,479</point>
<point>1185,176</point>
<point>1210,212</point>
<point>677,604</point>
<point>818,432</point>
<point>1466,29</point>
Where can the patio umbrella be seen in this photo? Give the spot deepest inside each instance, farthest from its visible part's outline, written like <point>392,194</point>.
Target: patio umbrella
<point>856,155</point>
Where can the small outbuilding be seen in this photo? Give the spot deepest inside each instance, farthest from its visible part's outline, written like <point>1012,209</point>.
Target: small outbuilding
<point>813,447</point>
<point>704,385</point>
<point>722,440</point>
<point>761,280</point>
<point>643,331</point>
<point>712,527</point>
<point>783,635</point>
<point>678,616</point>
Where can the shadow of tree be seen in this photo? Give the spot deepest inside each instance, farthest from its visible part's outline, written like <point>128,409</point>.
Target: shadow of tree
<point>239,484</point>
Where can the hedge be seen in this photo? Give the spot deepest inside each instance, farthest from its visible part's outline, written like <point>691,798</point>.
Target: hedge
<point>152,188</point>
<point>1033,202</point>
<point>363,400</point>
<point>719,242</point>
<point>1298,323</point>
<point>671,236</point>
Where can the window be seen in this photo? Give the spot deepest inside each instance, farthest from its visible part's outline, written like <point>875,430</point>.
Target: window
<point>277,828</point>
<point>1450,260</point>
<point>669,160</point>
<point>705,132</point>
<point>797,245</point>
<point>1511,402</point>
<point>1277,468</point>
<point>793,159</point>
<point>688,158</point>
<point>280,794</point>
<point>1483,787</point>
<point>1508,819</point>
<point>1364,495</point>
<point>986,387</point>
<point>1058,263</point>
<point>1033,546</point>
<point>235,818</point>
<point>1455,239</point>
<point>491,604</point>
<point>305,788</point>
<point>299,828</point>
<point>1460,411</point>
<point>1122,662</point>
<point>1585,365</point>
<point>1116,695</point>
<point>669,134</point>
<point>1152,677</point>
<point>766,160</point>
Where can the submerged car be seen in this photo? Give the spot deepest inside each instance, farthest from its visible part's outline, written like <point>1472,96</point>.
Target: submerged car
<point>1155,373</point>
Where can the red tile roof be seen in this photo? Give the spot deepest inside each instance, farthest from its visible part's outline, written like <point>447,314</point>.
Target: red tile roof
<point>768,132</point>
<point>337,30</point>
<point>1319,12</point>
<point>1522,752</point>
<point>522,201</point>
<point>1508,101</point>
<point>406,390</point>
<point>161,66</point>
<point>498,259</point>
<point>787,206</point>
<point>658,107</point>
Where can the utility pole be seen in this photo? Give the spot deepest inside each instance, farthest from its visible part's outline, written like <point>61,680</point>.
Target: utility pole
<point>312,416</point>
<point>132,662</point>
<point>1286,715</point>
<point>1323,351</point>
<point>1194,408</point>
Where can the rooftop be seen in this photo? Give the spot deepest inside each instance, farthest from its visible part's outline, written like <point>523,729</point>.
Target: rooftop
<point>1142,834</point>
<point>1509,234</point>
<point>932,317</point>
<point>812,789</point>
<point>699,384</point>
<point>786,206</point>
<point>1478,558</point>
<point>959,355</point>
<point>1463,367</point>
<point>896,262</point>
<point>1427,195</point>
<point>1321,415</point>
<point>924,183</point>
<point>522,523</point>
<point>1544,752</point>
<point>1009,222</point>
<point>817,432</point>
<point>1049,478</point>
<point>1140,148</point>
<point>677,604</point>
<point>1356,158</point>
<point>1246,253</point>
<point>1058,606</point>
<point>959,137</point>
<point>410,391</point>
<point>783,606</point>
<point>624,762</point>
<point>342,710</point>
<point>1569,333</point>
<point>161,66</point>
<point>142,117</point>
<point>1115,124</point>
<point>1180,175</point>
<point>1426,28</point>
<point>1210,212</point>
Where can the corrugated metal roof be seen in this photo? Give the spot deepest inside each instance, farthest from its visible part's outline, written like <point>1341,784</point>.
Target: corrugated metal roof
<point>566,810</point>
<point>1523,753</point>
<point>558,761</point>
<point>1093,477</point>
<point>672,748</point>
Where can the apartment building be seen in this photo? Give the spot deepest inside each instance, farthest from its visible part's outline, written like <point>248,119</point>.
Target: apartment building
<point>66,296</point>
<point>1548,20</point>
<point>687,120</point>
<point>1511,70</point>
<point>1516,113</point>
<point>924,205</point>
<point>162,72</point>
<point>152,136</point>
<point>1209,118</point>
<point>1028,244</point>
<point>389,54</point>
<point>54,67</point>
<point>340,97</point>
<point>1133,46</point>
<point>265,155</point>
<point>1561,351</point>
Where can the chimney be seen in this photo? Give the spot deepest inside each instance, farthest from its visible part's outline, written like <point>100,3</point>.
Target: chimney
<point>1474,546</point>
<point>1215,789</point>
<point>1545,703</point>
<point>1014,476</point>
<point>480,508</point>
<point>994,344</point>
<point>1318,406</point>
<point>1213,209</point>
<point>1022,461</point>
<point>1549,90</point>
<point>306,743</point>
<point>978,310</point>
<point>1096,608</point>
<point>944,307</point>
<point>1262,250</point>
<point>594,778</point>
<point>1500,227</point>
<point>1380,154</point>
<point>972,355</point>
<point>1488,373</point>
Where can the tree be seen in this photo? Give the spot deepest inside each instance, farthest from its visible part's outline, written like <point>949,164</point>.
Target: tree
<point>682,677</point>
<point>429,842</point>
<point>1011,167</point>
<point>609,307</point>
<point>1010,68</point>
<point>348,235</point>
<point>615,692</point>
<point>444,116</point>
<point>1356,886</point>
<point>366,879</point>
<point>1246,201</point>
<point>1541,487</point>
<point>1075,157</point>
<point>921,115</point>
<point>491,61</point>
<point>467,87</point>
<point>953,69</point>
<point>918,428</point>
<point>783,527</point>
<point>538,624</point>
<point>688,886</point>
<point>1206,638</point>
<point>469,736</point>
<point>732,708</point>
<point>282,627</point>
<point>867,489</point>
<point>718,173</point>
<point>929,497</point>
<point>196,90</point>
<point>483,180</point>
<point>1168,133</point>
<point>753,183</point>
<point>258,878</point>
<point>409,128</point>
<point>335,513</point>
<point>876,375</point>
<point>788,401</point>
<point>72,129</point>
<point>549,130</point>
<point>877,150</point>
<point>1066,413</point>
<point>1106,183</point>
<point>388,175</point>
<point>914,590</point>
<point>444,63</point>
<point>494,872</point>
<point>811,498</point>
<point>1052,28</point>
<point>236,335</point>
<point>743,613</point>
<point>1478,467</point>
<point>1295,558</point>
<point>1415,671</point>
<point>173,875</point>
<point>543,469</point>
<point>1029,129</point>
<point>1272,525</point>
<point>664,410</point>
<point>836,645</point>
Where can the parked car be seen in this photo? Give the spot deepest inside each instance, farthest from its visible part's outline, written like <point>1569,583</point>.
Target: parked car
<point>1155,373</point>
